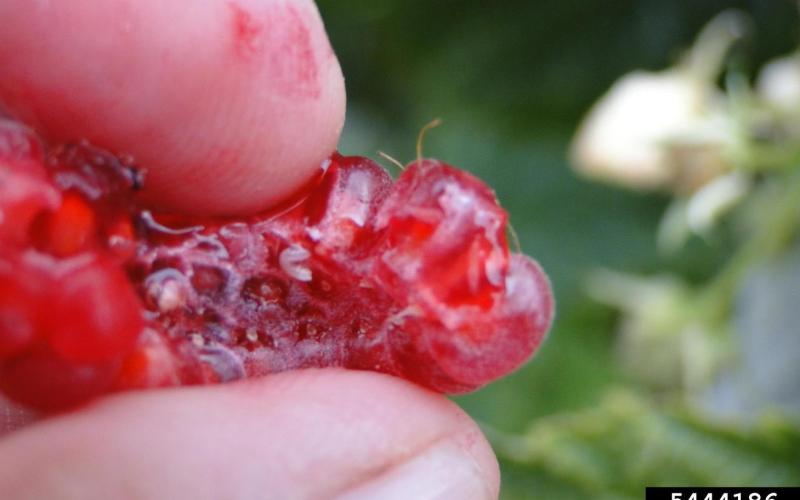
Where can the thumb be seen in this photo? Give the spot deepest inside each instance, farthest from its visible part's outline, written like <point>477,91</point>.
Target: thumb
<point>305,434</point>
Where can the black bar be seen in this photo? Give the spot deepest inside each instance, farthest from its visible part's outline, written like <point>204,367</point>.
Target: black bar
<point>722,493</point>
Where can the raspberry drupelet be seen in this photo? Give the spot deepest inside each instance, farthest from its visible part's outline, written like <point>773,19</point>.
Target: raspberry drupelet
<point>98,293</point>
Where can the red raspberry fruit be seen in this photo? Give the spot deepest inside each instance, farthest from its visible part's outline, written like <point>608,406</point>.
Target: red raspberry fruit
<point>97,293</point>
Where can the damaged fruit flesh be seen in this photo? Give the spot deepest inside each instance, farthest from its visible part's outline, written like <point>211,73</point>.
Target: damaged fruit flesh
<point>411,277</point>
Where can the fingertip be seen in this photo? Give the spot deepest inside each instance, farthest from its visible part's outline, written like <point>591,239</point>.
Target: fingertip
<point>230,105</point>
<point>306,434</point>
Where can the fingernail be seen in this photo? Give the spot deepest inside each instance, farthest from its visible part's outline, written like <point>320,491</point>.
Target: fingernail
<point>443,471</point>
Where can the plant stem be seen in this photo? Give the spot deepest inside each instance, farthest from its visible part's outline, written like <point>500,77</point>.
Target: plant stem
<point>776,231</point>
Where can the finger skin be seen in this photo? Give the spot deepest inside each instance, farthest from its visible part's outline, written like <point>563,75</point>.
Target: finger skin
<point>231,105</point>
<point>13,416</point>
<point>305,434</point>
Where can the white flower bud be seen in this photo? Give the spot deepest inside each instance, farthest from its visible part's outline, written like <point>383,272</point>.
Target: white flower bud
<point>627,137</point>
<point>716,198</point>
<point>778,83</point>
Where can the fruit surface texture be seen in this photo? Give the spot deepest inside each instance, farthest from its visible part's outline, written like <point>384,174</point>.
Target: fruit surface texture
<point>99,293</point>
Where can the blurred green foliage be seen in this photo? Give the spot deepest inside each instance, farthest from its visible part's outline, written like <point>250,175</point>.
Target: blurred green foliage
<point>511,80</point>
<point>612,450</point>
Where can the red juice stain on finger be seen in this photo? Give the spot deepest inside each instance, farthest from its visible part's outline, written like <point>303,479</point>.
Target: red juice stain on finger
<point>247,32</point>
<point>280,42</point>
<point>301,68</point>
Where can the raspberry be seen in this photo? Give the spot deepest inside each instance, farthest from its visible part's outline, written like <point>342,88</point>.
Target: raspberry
<point>97,293</point>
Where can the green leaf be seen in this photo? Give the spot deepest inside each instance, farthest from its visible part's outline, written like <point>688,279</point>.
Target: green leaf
<point>625,443</point>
